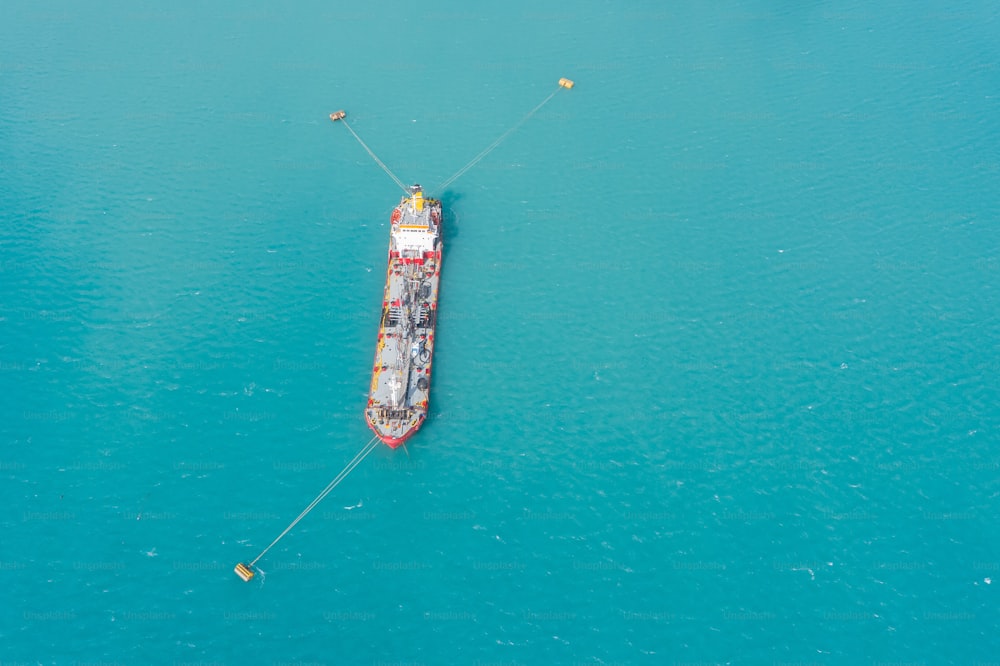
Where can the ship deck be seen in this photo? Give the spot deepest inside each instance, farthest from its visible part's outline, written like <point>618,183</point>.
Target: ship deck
<point>401,374</point>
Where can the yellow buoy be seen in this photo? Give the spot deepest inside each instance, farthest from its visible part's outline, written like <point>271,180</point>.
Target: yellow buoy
<point>566,83</point>
<point>244,572</point>
<point>337,115</point>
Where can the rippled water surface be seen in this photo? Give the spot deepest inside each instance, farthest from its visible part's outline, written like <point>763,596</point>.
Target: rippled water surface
<point>716,368</point>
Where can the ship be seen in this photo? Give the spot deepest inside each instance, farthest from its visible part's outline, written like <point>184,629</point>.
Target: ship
<point>401,375</point>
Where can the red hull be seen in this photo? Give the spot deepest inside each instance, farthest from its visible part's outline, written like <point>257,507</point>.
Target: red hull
<point>394,442</point>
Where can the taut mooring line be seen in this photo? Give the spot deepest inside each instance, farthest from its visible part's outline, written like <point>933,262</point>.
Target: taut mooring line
<point>493,146</point>
<point>341,115</point>
<point>338,116</point>
<point>245,571</point>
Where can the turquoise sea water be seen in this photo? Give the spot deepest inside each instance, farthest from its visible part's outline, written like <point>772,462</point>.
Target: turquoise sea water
<point>716,367</point>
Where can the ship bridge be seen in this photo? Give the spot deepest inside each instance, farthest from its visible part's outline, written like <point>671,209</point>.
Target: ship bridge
<point>415,230</point>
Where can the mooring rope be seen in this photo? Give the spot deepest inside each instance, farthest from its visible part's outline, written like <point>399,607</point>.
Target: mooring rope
<point>375,157</point>
<point>362,454</point>
<point>490,148</point>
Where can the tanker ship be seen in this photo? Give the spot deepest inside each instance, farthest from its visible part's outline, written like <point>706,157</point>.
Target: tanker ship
<point>401,375</point>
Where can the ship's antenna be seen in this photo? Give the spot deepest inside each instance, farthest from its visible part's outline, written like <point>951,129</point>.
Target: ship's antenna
<point>245,571</point>
<point>563,84</point>
<point>341,116</point>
